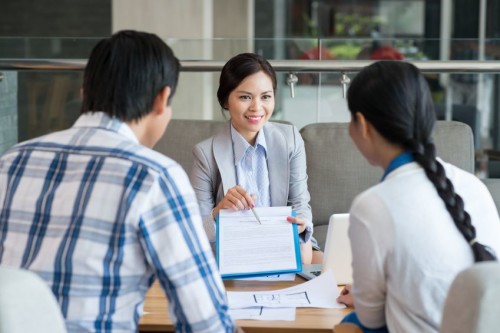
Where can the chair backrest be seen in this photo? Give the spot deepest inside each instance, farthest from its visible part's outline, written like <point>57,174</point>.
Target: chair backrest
<point>181,137</point>
<point>337,172</point>
<point>183,134</point>
<point>27,304</point>
<point>493,185</point>
<point>473,301</point>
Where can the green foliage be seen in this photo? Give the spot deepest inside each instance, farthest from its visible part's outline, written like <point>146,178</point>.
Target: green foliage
<point>346,51</point>
<point>355,25</point>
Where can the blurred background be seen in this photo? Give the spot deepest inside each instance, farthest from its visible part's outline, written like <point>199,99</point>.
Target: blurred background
<point>34,102</point>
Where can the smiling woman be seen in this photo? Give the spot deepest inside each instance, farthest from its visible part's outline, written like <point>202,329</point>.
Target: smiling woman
<point>252,162</point>
<point>251,105</point>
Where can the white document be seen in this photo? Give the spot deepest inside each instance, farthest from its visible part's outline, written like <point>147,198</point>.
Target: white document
<point>262,313</point>
<point>246,247</point>
<point>320,292</point>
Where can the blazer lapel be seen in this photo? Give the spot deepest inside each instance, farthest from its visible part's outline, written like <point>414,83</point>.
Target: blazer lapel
<point>277,163</point>
<point>224,157</point>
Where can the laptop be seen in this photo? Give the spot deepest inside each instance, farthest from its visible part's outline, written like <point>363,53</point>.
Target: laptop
<point>337,255</point>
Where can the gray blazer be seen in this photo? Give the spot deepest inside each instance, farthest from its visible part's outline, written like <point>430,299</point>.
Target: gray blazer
<point>214,173</point>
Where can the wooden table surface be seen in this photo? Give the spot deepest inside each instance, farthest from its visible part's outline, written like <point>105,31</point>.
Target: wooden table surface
<point>315,320</point>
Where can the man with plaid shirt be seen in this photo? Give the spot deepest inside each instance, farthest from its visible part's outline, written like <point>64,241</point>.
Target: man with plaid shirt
<point>98,214</point>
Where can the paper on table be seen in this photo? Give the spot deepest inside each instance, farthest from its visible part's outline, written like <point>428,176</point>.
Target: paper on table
<point>320,292</point>
<point>262,313</point>
<point>245,247</point>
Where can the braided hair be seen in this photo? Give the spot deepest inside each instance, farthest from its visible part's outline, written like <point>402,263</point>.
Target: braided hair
<point>394,97</point>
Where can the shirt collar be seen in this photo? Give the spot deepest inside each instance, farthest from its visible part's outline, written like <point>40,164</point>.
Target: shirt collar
<point>240,145</point>
<point>398,161</point>
<point>104,121</point>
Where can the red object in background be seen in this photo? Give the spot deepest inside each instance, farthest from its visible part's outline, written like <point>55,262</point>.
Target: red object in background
<point>317,53</point>
<point>386,53</point>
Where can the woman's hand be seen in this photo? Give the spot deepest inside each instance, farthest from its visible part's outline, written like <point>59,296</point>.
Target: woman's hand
<point>299,221</point>
<point>346,296</point>
<point>236,198</point>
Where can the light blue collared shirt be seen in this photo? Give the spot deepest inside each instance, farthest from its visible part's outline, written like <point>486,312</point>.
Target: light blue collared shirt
<point>251,166</point>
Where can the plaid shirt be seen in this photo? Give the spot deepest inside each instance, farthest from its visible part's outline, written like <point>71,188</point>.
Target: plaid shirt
<point>98,216</point>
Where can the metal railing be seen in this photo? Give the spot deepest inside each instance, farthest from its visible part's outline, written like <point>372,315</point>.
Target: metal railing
<point>297,66</point>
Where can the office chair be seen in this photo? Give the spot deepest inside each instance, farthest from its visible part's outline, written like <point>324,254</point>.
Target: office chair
<point>472,304</point>
<point>337,172</point>
<point>27,304</point>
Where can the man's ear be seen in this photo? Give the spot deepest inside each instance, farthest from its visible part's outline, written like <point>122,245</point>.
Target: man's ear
<point>161,100</point>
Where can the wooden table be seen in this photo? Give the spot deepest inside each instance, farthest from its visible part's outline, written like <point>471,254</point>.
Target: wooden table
<point>315,320</point>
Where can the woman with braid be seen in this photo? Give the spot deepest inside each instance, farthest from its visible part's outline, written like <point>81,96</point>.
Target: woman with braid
<point>426,220</point>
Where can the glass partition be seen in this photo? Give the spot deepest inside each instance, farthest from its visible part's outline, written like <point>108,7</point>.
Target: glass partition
<point>34,102</point>
<point>46,48</point>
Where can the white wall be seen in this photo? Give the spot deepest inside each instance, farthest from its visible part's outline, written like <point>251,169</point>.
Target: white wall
<point>189,27</point>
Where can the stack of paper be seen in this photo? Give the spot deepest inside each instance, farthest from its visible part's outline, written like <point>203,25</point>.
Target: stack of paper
<point>320,292</point>
<point>249,248</point>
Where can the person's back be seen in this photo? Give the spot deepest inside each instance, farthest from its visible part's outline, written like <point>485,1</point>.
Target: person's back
<point>397,233</point>
<point>98,214</point>
<point>424,222</point>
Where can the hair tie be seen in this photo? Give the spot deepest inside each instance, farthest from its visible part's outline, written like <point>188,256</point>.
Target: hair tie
<point>472,242</point>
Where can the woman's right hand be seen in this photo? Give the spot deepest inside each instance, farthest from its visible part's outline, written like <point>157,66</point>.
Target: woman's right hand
<point>236,198</point>
<point>346,296</point>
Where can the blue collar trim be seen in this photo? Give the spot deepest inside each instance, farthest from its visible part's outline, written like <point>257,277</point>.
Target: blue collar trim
<point>398,161</point>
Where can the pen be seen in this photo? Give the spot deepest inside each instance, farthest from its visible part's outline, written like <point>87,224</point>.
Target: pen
<point>256,216</point>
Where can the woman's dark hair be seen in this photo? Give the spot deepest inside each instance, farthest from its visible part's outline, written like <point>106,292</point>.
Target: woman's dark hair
<point>394,97</point>
<point>237,69</point>
<point>126,72</point>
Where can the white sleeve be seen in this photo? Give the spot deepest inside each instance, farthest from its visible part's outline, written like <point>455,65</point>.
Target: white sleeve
<point>368,258</point>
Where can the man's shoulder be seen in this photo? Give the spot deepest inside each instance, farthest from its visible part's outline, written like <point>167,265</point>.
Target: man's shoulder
<point>106,145</point>
<point>154,159</point>
<point>135,153</point>
<point>31,144</point>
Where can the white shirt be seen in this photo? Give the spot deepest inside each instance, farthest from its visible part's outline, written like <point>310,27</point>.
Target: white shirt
<point>407,250</point>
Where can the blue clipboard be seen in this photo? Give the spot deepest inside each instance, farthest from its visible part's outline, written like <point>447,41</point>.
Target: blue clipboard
<point>261,273</point>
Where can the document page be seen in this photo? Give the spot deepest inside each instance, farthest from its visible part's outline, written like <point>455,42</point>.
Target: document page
<point>262,313</point>
<point>320,292</point>
<point>246,247</point>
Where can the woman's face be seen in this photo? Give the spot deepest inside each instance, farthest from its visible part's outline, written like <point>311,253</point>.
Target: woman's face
<point>251,104</point>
